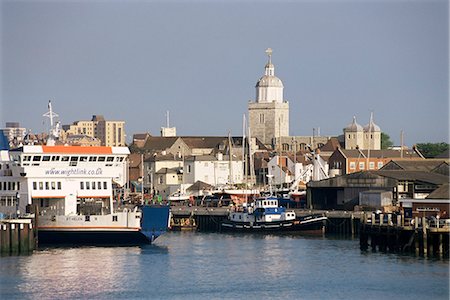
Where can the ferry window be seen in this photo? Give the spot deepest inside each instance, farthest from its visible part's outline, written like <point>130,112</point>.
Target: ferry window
<point>110,158</point>
<point>93,185</point>
<point>59,185</point>
<point>105,185</point>
<point>26,158</point>
<point>55,158</point>
<point>74,158</point>
<point>83,158</point>
<point>114,218</point>
<point>81,185</point>
<point>46,158</point>
<point>88,185</point>
<point>53,185</point>
<point>99,185</point>
<point>93,158</point>
<point>65,158</point>
<point>41,185</point>
<point>36,158</point>
<point>101,158</point>
<point>47,185</point>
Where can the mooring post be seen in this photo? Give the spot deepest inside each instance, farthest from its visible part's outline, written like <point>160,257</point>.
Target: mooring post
<point>14,231</point>
<point>425,236</point>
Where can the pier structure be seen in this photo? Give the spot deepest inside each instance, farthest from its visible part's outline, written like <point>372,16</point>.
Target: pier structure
<point>16,236</point>
<point>395,233</point>
<point>345,223</point>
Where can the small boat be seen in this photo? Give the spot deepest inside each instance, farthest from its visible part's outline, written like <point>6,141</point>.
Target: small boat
<point>177,196</point>
<point>265,214</point>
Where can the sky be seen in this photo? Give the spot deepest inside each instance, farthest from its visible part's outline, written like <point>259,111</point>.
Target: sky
<point>200,60</point>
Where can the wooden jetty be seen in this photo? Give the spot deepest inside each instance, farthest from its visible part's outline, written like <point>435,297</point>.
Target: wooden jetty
<point>394,233</point>
<point>16,236</point>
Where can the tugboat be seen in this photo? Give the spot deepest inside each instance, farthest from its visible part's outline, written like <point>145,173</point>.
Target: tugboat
<point>264,215</point>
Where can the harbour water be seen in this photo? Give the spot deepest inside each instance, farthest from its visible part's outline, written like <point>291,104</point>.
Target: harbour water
<point>192,265</point>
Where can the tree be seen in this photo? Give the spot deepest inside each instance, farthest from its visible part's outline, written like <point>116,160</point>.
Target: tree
<point>386,141</point>
<point>430,150</point>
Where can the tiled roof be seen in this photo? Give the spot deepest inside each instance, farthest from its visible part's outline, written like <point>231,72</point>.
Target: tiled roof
<point>387,153</point>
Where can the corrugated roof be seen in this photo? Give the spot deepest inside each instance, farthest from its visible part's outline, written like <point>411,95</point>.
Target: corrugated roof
<point>423,176</point>
<point>440,193</point>
<point>426,165</point>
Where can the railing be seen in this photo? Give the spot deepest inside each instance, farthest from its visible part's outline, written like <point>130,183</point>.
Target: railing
<point>401,221</point>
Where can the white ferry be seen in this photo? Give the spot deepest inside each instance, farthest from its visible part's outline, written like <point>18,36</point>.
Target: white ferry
<point>70,189</point>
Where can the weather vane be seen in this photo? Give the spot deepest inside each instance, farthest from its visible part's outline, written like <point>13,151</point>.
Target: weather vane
<point>269,53</point>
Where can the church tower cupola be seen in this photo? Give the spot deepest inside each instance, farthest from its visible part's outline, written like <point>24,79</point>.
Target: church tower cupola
<point>269,88</point>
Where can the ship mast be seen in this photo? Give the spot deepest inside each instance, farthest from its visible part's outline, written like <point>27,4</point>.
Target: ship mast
<point>53,134</point>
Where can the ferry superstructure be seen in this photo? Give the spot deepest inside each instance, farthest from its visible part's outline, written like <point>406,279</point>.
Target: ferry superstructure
<point>71,189</point>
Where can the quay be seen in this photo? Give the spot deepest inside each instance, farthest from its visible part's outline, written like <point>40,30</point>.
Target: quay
<point>395,233</point>
<point>345,223</point>
<point>17,236</point>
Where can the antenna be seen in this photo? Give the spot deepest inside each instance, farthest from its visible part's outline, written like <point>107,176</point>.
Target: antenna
<point>54,128</point>
<point>167,119</point>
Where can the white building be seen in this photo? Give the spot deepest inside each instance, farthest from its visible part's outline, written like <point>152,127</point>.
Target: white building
<point>363,138</point>
<point>214,170</point>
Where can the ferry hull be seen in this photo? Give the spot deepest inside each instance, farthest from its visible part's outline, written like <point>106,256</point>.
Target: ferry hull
<point>92,237</point>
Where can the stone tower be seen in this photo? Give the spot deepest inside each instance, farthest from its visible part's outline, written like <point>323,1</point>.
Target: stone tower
<point>269,113</point>
<point>365,138</point>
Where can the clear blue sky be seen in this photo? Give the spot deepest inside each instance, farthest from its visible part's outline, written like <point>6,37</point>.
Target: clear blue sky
<point>134,60</point>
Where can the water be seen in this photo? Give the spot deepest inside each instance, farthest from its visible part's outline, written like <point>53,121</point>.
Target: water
<point>189,265</point>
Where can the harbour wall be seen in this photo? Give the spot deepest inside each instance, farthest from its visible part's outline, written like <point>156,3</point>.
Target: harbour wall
<point>17,236</point>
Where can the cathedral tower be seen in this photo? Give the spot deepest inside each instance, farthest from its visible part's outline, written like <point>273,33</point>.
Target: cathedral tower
<point>269,114</point>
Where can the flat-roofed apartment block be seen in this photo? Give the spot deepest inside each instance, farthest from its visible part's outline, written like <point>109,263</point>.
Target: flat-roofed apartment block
<point>110,133</point>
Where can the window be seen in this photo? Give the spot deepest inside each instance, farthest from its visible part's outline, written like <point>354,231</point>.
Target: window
<point>161,179</point>
<point>361,166</point>
<point>53,185</point>
<point>99,185</point>
<point>65,158</point>
<point>81,185</point>
<point>380,164</point>
<point>352,165</point>
<point>371,165</point>
<point>93,185</point>
<point>41,185</point>
<point>55,158</point>
<point>105,185</point>
<point>83,158</point>
<point>110,158</point>
<point>36,158</point>
<point>88,185</point>
<point>261,118</point>
<point>93,158</point>
<point>47,186</point>
<point>34,185</point>
<point>46,158</point>
<point>114,218</point>
<point>59,185</point>
<point>101,158</point>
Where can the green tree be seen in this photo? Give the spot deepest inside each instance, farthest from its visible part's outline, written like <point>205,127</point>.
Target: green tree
<point>386,141</point>
<point>430,150</point>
